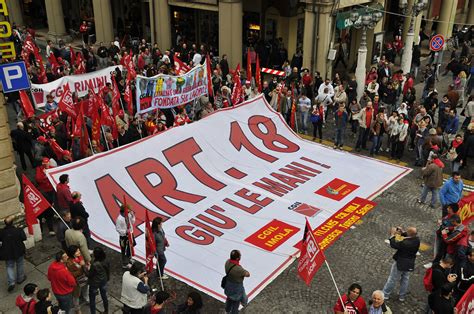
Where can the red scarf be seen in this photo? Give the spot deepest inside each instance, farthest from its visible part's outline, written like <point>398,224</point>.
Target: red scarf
<point>456,144</point>
<point>235,262</point>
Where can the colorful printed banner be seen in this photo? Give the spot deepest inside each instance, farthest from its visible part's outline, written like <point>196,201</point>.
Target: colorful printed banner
<point>78,83</point>
<point>167,91</point>
<point>238,179</point>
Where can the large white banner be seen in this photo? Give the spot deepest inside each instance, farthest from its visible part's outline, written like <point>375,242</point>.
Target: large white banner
<point>238,179</point>
<point>168,91</point>
<point>78,83</point>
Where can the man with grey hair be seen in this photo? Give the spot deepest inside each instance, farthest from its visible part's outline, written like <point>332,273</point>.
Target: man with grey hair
<point>377,303</point>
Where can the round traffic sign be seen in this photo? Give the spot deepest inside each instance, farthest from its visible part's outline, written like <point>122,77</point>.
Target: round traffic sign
<point>437,42</point>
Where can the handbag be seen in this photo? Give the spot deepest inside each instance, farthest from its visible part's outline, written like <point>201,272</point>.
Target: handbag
<point>315,118</point>
<point>451,155</point>
<point>224,279</point>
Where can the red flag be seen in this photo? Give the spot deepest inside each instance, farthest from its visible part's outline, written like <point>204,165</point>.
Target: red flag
<point>115,97</point>
<point>150,245</point>
<point>209,73</point>
<point>80,67</point>
<point>129,228</point>
<point>465,304</point>
<point>95,127</point>
<point>46,119</point>
<point>42,71</point>
<point>466,209</point>
<point>26,104</point>
<point>249,66</point>
<point>179,66</point>
<point>236,96</point>
<point>58,150</point>
<point>78,125</point>
<point>34,201</point>
<point>293,114</point>
<point>258,78</point>
<point>84,139</point>
<point>66,103</point>
<point>127,95</point>
<point>72,55</point>
<point>311,258</point>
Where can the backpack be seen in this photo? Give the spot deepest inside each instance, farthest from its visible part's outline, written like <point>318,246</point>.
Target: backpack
<point>428,279</point>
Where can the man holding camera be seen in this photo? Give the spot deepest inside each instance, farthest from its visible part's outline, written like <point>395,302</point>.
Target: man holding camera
<point>407,244</point>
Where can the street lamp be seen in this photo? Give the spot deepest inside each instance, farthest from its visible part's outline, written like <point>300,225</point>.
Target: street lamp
<point>367,20</point>
<point>408,50</point>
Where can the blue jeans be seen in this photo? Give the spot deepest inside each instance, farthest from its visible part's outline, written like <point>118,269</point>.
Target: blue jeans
<point>20,270</point>
<point>161,264</point>
<point>395,275</point>
<point>64,302</point>
<point>434,195</point>
<point>103,293</point>
<point>304,121</point>
<point>232,306</point>
<point>375,144</point>
<point>340,132</point>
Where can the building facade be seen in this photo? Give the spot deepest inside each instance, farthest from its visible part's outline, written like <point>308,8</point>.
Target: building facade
<point>276,28</point>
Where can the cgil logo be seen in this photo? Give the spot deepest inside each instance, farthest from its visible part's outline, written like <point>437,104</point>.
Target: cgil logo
<point>304,209</point>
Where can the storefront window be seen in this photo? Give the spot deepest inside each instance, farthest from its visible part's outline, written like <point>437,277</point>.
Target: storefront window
<point>194,26</point>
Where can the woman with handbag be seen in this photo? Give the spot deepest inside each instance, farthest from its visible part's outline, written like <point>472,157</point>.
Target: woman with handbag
<point>454,154</point>
<point>76,265</point>
<point>317,119</point>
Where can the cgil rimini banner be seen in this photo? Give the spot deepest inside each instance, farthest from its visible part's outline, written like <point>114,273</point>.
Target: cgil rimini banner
<point>168,91</point>
<point>238,179</point>
<point>77,83</point>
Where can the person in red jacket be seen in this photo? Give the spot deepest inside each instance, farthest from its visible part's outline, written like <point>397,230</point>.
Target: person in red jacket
<point>353,302</point>
<point>63,193</point>
<point>26,301</point>
<point>47,190</point>
<point>62,281</point>
<point>457,240</point>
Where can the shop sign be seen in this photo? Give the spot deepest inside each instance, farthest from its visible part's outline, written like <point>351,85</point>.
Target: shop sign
<point>343,19</point>
<point>7,48</point>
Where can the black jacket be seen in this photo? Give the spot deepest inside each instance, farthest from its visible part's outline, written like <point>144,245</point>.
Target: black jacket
<point>77,209</point>
<point>439,278</point>
<point>98,274</point>
<point>406,252</point>
<point>22,141</point>
<point>12,243</point>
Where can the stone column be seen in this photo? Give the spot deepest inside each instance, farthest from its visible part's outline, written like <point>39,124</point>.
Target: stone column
<point>407,20</point>
<point>162,24</point>
<point>230,31</point>
<point>9,189</point>
<point>54,13</point>
<point>445,27</point>
<point>104,27</point>
<point>361,64</point>
<point>14,12</point>
<point>309,39</point>
<point>470,13</point>
<point>325,31</point>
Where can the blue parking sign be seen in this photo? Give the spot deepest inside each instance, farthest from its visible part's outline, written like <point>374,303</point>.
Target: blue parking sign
<point>14,77</point>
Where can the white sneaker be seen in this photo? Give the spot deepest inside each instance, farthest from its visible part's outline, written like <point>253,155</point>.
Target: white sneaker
<point>165,276</point>
<point>428,265</point>
<point>52,233</point>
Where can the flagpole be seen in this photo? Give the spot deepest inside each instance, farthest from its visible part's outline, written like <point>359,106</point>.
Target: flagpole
<point>159,273</point>
<point>60,217</point>
<point>335,285</point>
<point>105,138</point>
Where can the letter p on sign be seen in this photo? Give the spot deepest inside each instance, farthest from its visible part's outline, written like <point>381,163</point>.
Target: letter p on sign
<point>14,77</point>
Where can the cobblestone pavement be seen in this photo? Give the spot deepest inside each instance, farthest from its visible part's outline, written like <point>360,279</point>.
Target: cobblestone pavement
<point>360,255</point>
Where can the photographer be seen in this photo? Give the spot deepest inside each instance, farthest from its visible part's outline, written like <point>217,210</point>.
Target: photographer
<point>407,245</point>
<point>135,289</point>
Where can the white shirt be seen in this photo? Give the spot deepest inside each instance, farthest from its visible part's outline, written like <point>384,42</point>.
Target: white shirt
<point>330,89</point>
<point>121,224</point>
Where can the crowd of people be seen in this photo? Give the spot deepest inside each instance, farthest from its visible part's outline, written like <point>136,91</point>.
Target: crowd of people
<point>389,114</point>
